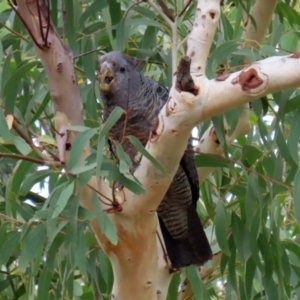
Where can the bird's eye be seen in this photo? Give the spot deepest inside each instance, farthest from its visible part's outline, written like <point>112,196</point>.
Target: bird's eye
<point>122,69</point>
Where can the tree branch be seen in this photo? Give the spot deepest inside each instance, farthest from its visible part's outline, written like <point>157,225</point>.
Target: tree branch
<point>256,80</point>
<point>56,58</point>
<point>173,23</point>
<point>262,12</point>
<point>55,164</point>
<point>209,142</point>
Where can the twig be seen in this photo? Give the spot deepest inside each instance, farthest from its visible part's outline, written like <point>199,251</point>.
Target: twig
<point>40,20</point>
<point>9,277</point>
<point>22,135</point>
<point>131,7</point>
<point>15,221</point>
<point>99,193</point>
<point>160,12</point>
<point>35,148</point>
<point>185,8</point>
<point>26,25</point>
<point>165,9</point>
<point>14,32</point>
<point>48,22</point>
<point>32,159</point>
<point>87,53</point>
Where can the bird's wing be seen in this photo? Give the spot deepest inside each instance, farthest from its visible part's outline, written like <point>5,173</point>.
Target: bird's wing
<point>188,164</point>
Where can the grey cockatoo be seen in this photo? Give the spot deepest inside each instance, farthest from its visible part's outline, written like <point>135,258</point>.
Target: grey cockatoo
<point>122,84</point>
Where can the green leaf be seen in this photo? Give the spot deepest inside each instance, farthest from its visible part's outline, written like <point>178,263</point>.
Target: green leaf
<point>21,145</point>
<point>292,104</point>
<point>264,247</point>
<point>115,13</point>
<point>32,244</point>
<point>211,160</point>
<point>71,23</point>
<point>88,61</point>
<point>81,250</point>
<point>249,275</point>
<point>9,90</point>
<point>4,284</point>
<point>105,223</point>
<point>194,279</point>
<point>83,167</point>
<point>173,287</point>
<point>220,55</point>
<point>283,148</point>
<point>121,34</point>
<point>238,231</point>
<point>15,182</point>
<point>296,196</point>
<point>41,109</point>
<point>52,251</point>
<point>4,131</point>
<point>78,128</point>
<point>138,145</point>
<point>9,247</point>
<point>124,160</point>
<point>219,128</point>
<point>110,122</point>
<point>149,38</point>
<point>286,266</point>
<point>294,136</point>
<point>95,7</point>
<point>232,265</point>
<point>54,232</point>
<point>80,142</point>
<point>196,283</point>
<point>32,179</point>
<point>220,221</point>
<point>232,117</point>
<point>44,284</point>
<point>63,199</point>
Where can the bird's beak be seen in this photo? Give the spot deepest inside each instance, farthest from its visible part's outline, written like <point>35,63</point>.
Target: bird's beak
<point>105,77</point>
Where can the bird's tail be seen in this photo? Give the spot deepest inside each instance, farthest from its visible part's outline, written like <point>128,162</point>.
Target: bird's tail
<point>193,250</point>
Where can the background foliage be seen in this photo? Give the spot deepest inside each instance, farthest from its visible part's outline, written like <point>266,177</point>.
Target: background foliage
<point>250,205</point>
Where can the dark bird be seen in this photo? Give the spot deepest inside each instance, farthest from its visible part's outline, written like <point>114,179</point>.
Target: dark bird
<point>122,84</point>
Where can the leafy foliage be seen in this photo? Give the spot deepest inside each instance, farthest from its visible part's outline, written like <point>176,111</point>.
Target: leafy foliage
<point>250,204</point>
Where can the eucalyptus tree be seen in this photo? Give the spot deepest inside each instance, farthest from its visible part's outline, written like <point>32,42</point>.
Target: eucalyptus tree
<point>67,230</point>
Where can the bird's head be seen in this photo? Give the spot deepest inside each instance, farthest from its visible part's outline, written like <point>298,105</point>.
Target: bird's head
<point>118,72</point>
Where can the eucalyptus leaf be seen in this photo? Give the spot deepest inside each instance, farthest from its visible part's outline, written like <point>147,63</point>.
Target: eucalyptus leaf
<point>104,221</point>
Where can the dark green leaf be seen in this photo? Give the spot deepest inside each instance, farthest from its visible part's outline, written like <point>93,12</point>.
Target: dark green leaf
<point>198,287</point>
<point>296,196</point>
<point>221,226</point>
<point>211,160</point>
<point>104,221</point>
<point>9,247</point>
<point>91,10</point>
<point>32,179</point>
<point>110,122</point>
<point>63,199</point>
<point>9,90</point>
<point>80,142</point>
<point>32,244</point>
<point>44,284</point>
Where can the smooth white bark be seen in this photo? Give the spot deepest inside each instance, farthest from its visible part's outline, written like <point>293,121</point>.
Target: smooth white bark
<point>262,12</point>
